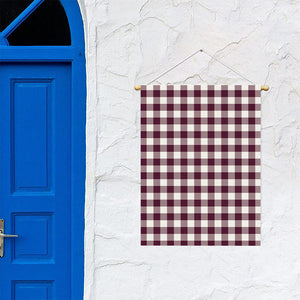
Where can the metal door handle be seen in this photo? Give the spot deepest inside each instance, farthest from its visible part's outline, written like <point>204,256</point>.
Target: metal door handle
<point>3,235</point>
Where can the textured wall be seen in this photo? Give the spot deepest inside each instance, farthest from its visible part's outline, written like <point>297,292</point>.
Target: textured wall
<point>131,42</point>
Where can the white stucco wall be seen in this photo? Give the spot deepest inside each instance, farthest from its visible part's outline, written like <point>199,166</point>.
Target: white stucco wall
<point>130,42</point>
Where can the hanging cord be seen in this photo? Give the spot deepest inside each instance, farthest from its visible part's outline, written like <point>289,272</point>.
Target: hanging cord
<point>138,87</point>
<point>180,63</point>
<point>220,62</point>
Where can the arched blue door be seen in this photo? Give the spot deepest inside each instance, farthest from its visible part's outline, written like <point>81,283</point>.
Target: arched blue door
<point>42,153</point>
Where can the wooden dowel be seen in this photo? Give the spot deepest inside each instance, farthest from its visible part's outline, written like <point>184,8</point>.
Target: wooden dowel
<point>263,87</point>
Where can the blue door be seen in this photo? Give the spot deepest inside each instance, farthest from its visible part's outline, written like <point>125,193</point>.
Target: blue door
<point>35,181</point>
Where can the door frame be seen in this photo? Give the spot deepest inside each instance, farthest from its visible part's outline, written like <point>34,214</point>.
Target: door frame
<point>75,55</point>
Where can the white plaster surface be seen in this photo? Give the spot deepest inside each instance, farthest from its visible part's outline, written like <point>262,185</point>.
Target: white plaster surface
<point>131,42</point>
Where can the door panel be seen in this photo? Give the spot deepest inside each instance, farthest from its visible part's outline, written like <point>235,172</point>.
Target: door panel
<point>35,187</point>
<point>36,246</point>
<point>31,134</point>
<point>32,290</point>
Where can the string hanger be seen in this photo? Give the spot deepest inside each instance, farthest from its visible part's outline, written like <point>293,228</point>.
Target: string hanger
<point>263,88</point>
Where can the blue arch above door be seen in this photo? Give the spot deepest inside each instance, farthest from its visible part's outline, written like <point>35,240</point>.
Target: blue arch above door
<point>36,11</point>
<point>73,12</point>
<point>75,55</point>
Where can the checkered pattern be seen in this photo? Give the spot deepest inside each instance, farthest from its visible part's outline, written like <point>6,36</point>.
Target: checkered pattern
<point>200,165</point>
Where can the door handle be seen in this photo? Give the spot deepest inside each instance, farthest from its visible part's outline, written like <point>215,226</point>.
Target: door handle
<point>4,235</point>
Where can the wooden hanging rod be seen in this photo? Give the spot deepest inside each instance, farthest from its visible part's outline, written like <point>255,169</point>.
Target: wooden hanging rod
<point>263,87</point>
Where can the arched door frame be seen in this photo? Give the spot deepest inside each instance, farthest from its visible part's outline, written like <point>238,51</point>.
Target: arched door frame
<point>74,54</point>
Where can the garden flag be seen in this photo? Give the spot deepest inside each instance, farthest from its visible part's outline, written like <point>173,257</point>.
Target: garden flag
<point>200,165</point>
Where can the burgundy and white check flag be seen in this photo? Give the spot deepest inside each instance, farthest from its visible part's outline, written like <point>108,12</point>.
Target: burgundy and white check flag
<point>200,165</point>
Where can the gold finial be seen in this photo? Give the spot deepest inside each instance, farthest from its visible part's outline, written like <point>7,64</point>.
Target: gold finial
<point>137,87</point>
<point>265,88</point>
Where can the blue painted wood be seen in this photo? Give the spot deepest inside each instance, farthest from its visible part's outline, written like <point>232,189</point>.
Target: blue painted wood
<point>36,244</point>
<point>41,54</point>
<point>31,134</point>
<point>61,58</point>
<point>39,290</point>
<point>36,119</point>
